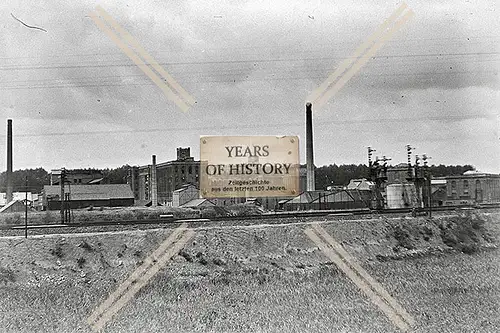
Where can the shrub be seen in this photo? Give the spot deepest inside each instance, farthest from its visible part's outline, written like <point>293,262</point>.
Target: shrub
<point>139,214</point>
<point>47,217</point>
<point>186,256</point>
<point>153,216</point>
<point>57,251</point>
<point>464,233</point>
<point>80,261</point>
<point>403,237</point>
<point>6,275</point>
<point>86,246</point>
<point>470,248</point>
<point>16,218</point>
<point>208,213</point>
<point>127,216</point>
<point>219,262</point>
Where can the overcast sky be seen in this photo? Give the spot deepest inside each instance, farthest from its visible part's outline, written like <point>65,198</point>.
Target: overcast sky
<point>250,65</point>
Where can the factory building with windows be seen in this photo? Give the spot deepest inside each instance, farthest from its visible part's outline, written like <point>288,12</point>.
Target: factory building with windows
<point>472,188</point>
<point>170,176</point>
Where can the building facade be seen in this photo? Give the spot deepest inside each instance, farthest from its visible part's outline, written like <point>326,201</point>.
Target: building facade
<point>472,188</point>
<point>82,196</point>
<point>77,177</point>
<point>170,176</point>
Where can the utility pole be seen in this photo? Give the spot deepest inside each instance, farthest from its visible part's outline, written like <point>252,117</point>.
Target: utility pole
<point>408,152</point>
<point>63,180</point>
<point>429,184</point>
<point>378,175</point>
<point>419,181</point>
<point>26,210</point>
<point>370,163</point>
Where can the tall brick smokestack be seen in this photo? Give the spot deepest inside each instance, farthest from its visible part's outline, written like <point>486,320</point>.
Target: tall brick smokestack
<point>309,149</point>
<point>154,186</point>
<point>9,160</point>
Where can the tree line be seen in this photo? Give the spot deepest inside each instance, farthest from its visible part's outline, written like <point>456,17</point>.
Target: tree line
<point>39,177</point>
<point>327,175</point>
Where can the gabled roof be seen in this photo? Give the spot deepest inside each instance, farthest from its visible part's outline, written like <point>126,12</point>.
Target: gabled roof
<point>185,187</point>
<point>307,197</point>
<point>92,192</point>
<point>360,184</point>
<point>197,203</point>
<point>347,196</point>
<point>10,204</point>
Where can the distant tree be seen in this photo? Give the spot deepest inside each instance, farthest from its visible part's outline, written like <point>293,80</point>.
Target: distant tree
<point>116,176</point>
<point>37,178</point>
<point>450,170</point>
<point>339,175</point>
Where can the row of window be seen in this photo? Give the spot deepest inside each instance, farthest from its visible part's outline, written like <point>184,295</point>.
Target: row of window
<point>189,169</point>
<point>465,186</point>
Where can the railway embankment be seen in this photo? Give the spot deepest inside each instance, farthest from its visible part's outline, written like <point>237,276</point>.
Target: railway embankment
<point>380,238</point>
<point>70,274</point>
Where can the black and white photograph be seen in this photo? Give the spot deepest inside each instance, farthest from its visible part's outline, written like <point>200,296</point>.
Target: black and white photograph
<point>249,166</point>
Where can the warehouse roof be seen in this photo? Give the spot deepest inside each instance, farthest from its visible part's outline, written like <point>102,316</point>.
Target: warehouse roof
<point>185,187</point>
<point>198,203</point>
<point>91,192</point>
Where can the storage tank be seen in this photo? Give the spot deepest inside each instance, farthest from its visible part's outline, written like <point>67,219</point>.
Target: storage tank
<point>401,196</point>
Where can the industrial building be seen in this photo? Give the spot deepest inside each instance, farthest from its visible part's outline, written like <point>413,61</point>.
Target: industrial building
<point>472,188</point>
<point>82,196</point>
<point>357,194</point>
<point>20,196</point>
<point>77,176</point>
<point>170,176</point>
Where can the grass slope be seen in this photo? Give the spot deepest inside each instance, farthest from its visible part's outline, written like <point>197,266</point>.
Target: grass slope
<point>260,279</point>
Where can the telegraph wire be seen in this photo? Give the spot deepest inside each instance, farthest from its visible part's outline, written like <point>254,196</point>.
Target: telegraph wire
<point>145,83</point>
<point>251,126</point>
<point>458,40</point>
<point>233,71</point>
<point>65,66</point>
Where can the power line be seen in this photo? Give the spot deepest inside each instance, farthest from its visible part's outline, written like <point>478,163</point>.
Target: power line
<point>64,66</point>
<point>264,125</point>
<point>229,71</point>
<point>291,78</point>
<point>465,39</point>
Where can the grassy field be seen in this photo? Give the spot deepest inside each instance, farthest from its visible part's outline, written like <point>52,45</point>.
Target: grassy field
<point>260,279</point>
<point>126,213</point>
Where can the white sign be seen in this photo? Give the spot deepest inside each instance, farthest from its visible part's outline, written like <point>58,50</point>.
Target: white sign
<point>249,166</point>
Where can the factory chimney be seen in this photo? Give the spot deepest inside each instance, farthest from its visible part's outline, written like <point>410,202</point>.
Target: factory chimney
<point>9,160</point>
<point>309,149</point>
<point>154,186</point>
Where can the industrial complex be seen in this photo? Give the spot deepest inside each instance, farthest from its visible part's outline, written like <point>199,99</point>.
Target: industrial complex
<point>176,183</point>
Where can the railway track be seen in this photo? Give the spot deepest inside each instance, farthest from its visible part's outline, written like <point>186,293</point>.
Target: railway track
<point>171,222</point>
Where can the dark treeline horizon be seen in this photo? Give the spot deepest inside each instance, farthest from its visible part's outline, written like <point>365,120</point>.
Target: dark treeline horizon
<point>326,175</point>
